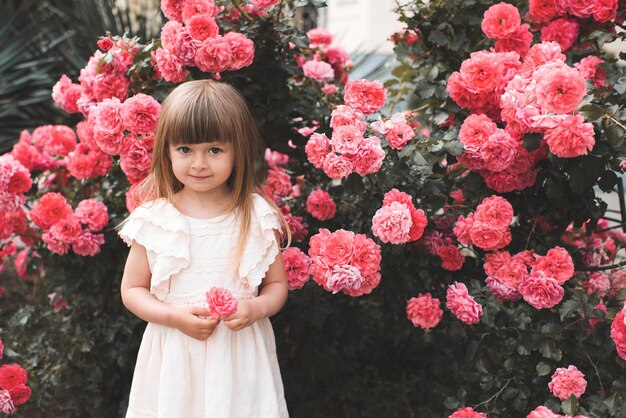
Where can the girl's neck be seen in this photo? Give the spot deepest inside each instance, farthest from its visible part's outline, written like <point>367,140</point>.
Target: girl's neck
<point>202,206</point>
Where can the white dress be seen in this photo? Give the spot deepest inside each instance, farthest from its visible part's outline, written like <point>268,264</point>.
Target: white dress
<point>233,374</point>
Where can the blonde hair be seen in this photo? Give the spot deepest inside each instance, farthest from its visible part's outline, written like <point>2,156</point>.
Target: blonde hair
<point>200,111</point>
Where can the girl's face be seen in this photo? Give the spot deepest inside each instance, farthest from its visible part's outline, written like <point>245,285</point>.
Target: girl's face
<point>203,168</point>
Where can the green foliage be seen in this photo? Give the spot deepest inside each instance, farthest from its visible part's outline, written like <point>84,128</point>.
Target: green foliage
<point>343,356</point>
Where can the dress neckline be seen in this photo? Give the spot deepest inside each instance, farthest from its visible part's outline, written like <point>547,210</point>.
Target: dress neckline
<point>211,219</point>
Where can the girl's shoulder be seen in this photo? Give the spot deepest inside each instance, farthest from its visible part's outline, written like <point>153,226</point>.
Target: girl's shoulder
<point>264,212</point>
<point>153,221</point>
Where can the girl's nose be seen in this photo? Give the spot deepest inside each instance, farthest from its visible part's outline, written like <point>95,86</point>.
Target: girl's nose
<point>199,162</point>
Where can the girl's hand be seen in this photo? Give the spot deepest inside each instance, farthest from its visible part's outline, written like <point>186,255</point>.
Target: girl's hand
<point>247,313</point>
<point>189,322</point>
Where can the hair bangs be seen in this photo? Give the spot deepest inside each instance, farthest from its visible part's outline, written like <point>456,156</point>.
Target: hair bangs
<point>198,118</point>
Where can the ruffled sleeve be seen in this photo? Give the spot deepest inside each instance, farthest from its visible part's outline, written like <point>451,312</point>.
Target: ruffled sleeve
<point>161,229</point>
<point>262,247</point>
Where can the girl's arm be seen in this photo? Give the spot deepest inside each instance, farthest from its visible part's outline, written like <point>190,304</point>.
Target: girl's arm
<point>271,299</point>
<point>137,298</point>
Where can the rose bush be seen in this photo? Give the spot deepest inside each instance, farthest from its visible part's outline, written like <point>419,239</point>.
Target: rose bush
<point>448,218</point>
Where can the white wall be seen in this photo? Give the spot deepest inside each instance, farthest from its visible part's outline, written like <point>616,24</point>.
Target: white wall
<point>361,25</point>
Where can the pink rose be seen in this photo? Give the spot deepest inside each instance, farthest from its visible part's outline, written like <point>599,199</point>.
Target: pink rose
<point>317,149</point>
<point>598,283</point>
<point>320,205</point>
<point>345,115</point>
<point>559,88</point>
<point>92,213</point>
<point>264,4</point>
<point>192,8</point>
<point>54,139</point>
<point>467,413</point>
<point>242,50</point>
<point>54,244</point>
<point>475,131</point>
<point>136,159</point>
<point>337,166</point>
<point>604,10</point>
<point>495,210</point>
<point>86,163</point>
<point>278,182</point>
<point>20,394</point>
<point>618,334</point>
<point>540,54</point>
<point>495,260</point>
<point>512,273</point>
<point>12,375</point>
<point>557,263</point>
<point>541,291</point>
<point>451,257</point>
<point>489,237</point>
<point>214,55</point>
<point>424,311</point>
<point>499,151</point>
<point>220,302</point>
<point>542,10</point>
<point>65,94</point>
<point>502,291</point>
<point>87,243</point>
<point>330,89</point>
<point>50,209</point>
<point>344,278</point>
<point>481,72</point>
<point>319,36</point>
<point>399,134</point>
<point>332,248</point>
<point>462,305</point>
<point>319,71</point>
<point>108,129</point>
<point>297,266</point>
<point>392,223</point>
<point>581,8</point>
<point>202,27</point>
<point>567,382</point>
<point>66,230</point>
<point>369,156</point>
<point>140,113</point>
<point>542,412</point>
<point>519,42</point>
<point>170,66</point>
<point>571,138</point>
<point>172,9</point>
<point>562,31</point>
<point>297,227</point>
<point>501,21</point>
<point>346,139</point>
<point>365,96</point>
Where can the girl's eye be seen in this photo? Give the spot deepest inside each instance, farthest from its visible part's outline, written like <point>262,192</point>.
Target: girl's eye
<point>215,150</point>
<point>184,150</point>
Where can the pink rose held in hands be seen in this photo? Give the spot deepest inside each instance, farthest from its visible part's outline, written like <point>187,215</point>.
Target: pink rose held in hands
<point>221,302</point>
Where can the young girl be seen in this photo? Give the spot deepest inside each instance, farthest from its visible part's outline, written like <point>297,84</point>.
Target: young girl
<point>204,224</point>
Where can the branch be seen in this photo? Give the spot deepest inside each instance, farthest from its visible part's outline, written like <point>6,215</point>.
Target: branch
<point>495,396</point>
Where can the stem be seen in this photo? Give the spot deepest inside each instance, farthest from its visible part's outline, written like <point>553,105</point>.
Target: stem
<point>615,120</point>
<point>242,11</point>
<point>596,369</point>
<point>495,396</point>
<point>609,267</point>
<point>532,231</point>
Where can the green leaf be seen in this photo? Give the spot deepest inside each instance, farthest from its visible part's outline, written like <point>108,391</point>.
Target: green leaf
<point>570,405</point>
<point>613,403</point>
<point>451,403</point>
<point>532,141</point>
<point>568,308</point>
<point>543,368</point>
<point>592,112</point>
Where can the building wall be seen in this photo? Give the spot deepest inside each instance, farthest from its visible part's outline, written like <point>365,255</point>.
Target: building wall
<point>361,25</point>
